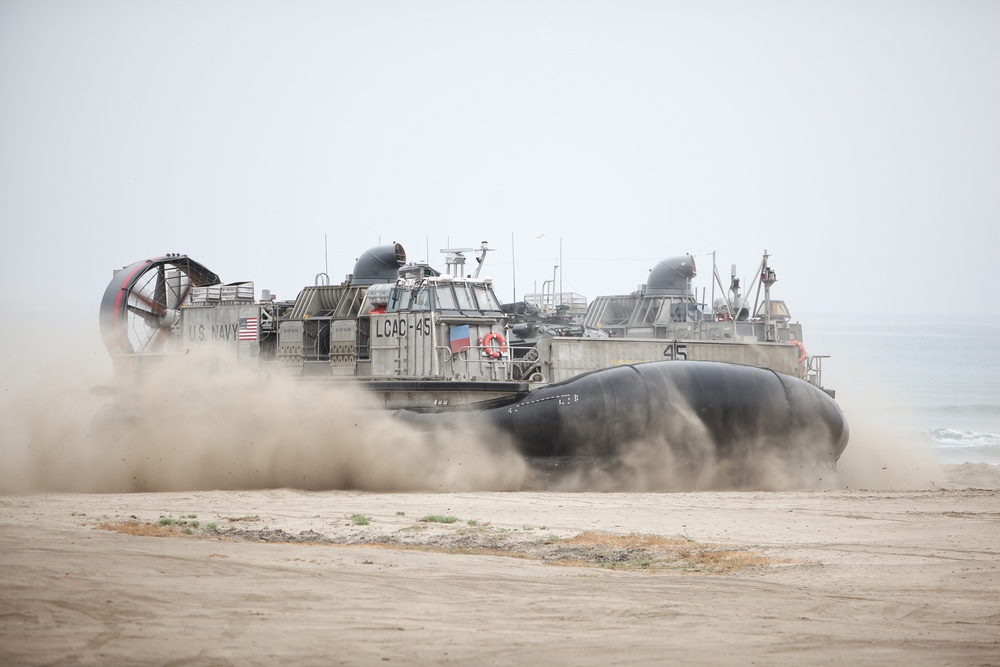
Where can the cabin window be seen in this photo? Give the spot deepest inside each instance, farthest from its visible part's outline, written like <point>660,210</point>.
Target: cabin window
<point>421,300</point>
<point>486,298</point>
<point>614,311</point>
<point>399,299</point>
<point>445,297</point>
<point>464,298</point>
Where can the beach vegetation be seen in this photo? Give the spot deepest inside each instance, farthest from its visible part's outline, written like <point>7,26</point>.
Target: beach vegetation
<point>140,528</point>
<point>640,552</point>
<point>185,521</point>
<point>412,528</point>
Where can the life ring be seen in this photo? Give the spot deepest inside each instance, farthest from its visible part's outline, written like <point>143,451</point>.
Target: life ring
<point>802,350</point>
<point>495,352</point>
<point>802,355</point>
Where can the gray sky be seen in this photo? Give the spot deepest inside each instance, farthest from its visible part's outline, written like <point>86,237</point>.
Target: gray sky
<point>859,142</point>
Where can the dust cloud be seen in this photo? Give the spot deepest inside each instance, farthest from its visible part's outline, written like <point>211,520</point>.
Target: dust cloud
<point>197,423</point>
<point>885,452</point>
<point>692,463</point>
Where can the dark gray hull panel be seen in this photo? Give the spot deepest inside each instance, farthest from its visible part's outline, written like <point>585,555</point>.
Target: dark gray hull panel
<point>725,411</point>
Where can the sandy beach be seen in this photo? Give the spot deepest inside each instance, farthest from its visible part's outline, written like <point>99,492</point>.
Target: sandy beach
<point>889,577</point>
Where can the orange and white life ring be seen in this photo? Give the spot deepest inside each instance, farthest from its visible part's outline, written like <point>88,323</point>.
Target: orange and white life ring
<point>802,355</point>
<point>490,350</point>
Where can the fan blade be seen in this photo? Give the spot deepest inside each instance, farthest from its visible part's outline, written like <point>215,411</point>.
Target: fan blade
<point>159,338</point>
<point>184,293</point>
<point>156,307</point>
<point>150,318</point>
<point>160,290</point>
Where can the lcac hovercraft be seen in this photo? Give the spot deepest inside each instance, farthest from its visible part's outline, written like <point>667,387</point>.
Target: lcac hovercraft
<point>433,348</point>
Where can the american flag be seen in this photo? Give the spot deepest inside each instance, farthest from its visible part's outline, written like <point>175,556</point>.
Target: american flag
<point>248,328</point>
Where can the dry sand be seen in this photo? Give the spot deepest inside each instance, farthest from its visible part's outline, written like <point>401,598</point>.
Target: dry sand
<point>286,576</point>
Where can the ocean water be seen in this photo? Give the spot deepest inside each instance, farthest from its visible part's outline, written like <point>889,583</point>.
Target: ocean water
<point>935,376</point>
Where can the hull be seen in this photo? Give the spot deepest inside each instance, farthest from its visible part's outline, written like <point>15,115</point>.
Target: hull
<point>695,410</point>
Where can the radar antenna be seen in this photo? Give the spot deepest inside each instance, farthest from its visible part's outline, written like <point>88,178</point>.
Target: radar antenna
<point>483,249</point>
<point>455,261</point>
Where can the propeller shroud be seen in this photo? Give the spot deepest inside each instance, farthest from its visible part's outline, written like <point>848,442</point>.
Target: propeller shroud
<point>143,301</point>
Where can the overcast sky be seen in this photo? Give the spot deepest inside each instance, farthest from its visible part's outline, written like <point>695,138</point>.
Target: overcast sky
<point>858,142</point>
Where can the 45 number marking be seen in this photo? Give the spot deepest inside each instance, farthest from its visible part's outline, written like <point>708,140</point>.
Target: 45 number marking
<point>675,350</point>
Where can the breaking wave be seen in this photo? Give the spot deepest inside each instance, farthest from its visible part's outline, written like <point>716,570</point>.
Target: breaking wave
<point>965,446</point>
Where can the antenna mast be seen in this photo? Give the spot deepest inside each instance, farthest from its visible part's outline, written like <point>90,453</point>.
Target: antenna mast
<point>513,269</point>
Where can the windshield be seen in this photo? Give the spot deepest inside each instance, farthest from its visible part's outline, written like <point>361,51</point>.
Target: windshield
<point>459,296</point>
<point>486,298</point>
<point>445,297</point>
<point>399,299</point>
<point>464,297</point>
<point>421,300</point>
